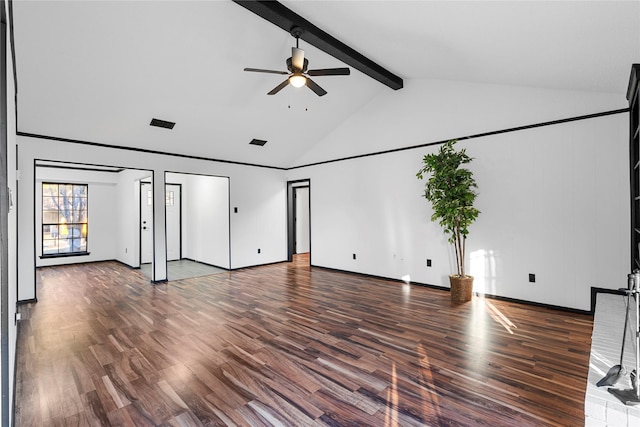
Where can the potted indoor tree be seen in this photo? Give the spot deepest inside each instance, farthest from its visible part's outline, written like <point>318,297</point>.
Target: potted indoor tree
<point>450,189</point>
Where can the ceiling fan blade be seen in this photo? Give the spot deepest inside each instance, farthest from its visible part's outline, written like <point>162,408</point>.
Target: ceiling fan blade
<point>330,72</point>
<point>314,87</point>
<point>260,70</point>
<point>279,87</point>
<point>297,58</point>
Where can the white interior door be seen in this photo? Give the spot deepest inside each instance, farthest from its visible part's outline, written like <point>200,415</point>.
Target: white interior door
<point>301,196</point>
<point>173,218</point>
<point>146,223</point>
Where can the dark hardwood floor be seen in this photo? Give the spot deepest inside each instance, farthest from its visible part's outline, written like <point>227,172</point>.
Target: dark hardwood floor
<point>285,344</point>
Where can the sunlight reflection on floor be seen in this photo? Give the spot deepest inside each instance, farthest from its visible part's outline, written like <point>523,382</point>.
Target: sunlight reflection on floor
<point>499,317</point>
<point>430,401</point>
<point>391,414</point>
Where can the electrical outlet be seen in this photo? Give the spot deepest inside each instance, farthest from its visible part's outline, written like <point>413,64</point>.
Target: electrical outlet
<point>235,210</point>
<point>428,263</point>
<point>258,250</point>
<point>354,256</point>
<point>532,278</point>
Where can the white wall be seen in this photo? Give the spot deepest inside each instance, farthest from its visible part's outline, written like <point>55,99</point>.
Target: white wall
<point>102,213</point>
<point>302,243</point>
<point>208,227</point>
<point>261,220</point>
<point>554,199</point>
<point>205,218</point>
<point>437,110</point>
<point>259,194</point>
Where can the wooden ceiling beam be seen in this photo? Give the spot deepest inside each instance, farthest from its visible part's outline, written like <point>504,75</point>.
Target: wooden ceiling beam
<point>283,17</point>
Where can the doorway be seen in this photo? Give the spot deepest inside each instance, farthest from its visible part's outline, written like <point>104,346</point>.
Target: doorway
<point>173,221</point>
<point>299,219</point>
<point>146,222</point>
<point>173,209</point>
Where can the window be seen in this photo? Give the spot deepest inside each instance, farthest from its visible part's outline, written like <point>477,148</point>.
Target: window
<point>168,198</point>
<point>64,219</point>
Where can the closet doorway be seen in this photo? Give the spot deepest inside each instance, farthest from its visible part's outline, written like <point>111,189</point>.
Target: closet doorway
<point>299,220</point>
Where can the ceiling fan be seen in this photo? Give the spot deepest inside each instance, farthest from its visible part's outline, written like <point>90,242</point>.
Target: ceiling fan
<point>298,74</point>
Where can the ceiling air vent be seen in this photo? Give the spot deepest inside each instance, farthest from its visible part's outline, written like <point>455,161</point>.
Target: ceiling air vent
<point>162,123</point>
<point>259,142</point>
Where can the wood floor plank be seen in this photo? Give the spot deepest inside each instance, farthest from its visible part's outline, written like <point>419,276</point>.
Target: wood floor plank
<point>290,345</point>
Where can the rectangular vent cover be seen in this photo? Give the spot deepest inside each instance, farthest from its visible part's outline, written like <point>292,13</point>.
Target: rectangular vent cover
<point>259,142</point>
<point>162,123</point>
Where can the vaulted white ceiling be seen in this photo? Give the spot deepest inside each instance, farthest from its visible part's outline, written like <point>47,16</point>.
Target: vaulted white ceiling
<point>98,71</point>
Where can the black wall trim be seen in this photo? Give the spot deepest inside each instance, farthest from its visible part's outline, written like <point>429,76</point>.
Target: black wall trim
<point>538,304</point>
<point>27,301</point>
<point>79,263</point>
<point>196,174</point>
<point>377,153</point>
<point>65,255</point>
<point>207,264</point>
<point>257,265</point>
<point>443,288</point>
<point>35,233</point>
<point>141,150</point>
<point>477,135</point>
<point>79,168</point>
<point>91,166</point>
<point>123,263</point>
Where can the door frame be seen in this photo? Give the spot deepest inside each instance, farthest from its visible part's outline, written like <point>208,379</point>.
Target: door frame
<point>166,246</point>
<point>291,217</point>
<point>153,228</point>
<point>4,228</point>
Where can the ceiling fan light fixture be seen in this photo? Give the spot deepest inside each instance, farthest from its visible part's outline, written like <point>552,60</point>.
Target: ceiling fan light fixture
<point>297,80</point>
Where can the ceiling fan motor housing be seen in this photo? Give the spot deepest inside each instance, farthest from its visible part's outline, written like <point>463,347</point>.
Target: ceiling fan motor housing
<point>293,70</point>
<point>297,65</point>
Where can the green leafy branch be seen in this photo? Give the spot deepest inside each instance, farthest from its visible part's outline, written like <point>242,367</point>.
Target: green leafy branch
<point>450,189</point>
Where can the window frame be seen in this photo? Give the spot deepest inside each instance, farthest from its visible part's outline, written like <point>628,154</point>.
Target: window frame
<point>83,225</point>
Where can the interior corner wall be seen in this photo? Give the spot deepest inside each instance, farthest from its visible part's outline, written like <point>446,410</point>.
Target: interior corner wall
<point>207,214</point>
<point>205,218</point>
<point>553,202</point>
<point>259,193</point>
<point>103,220</point>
